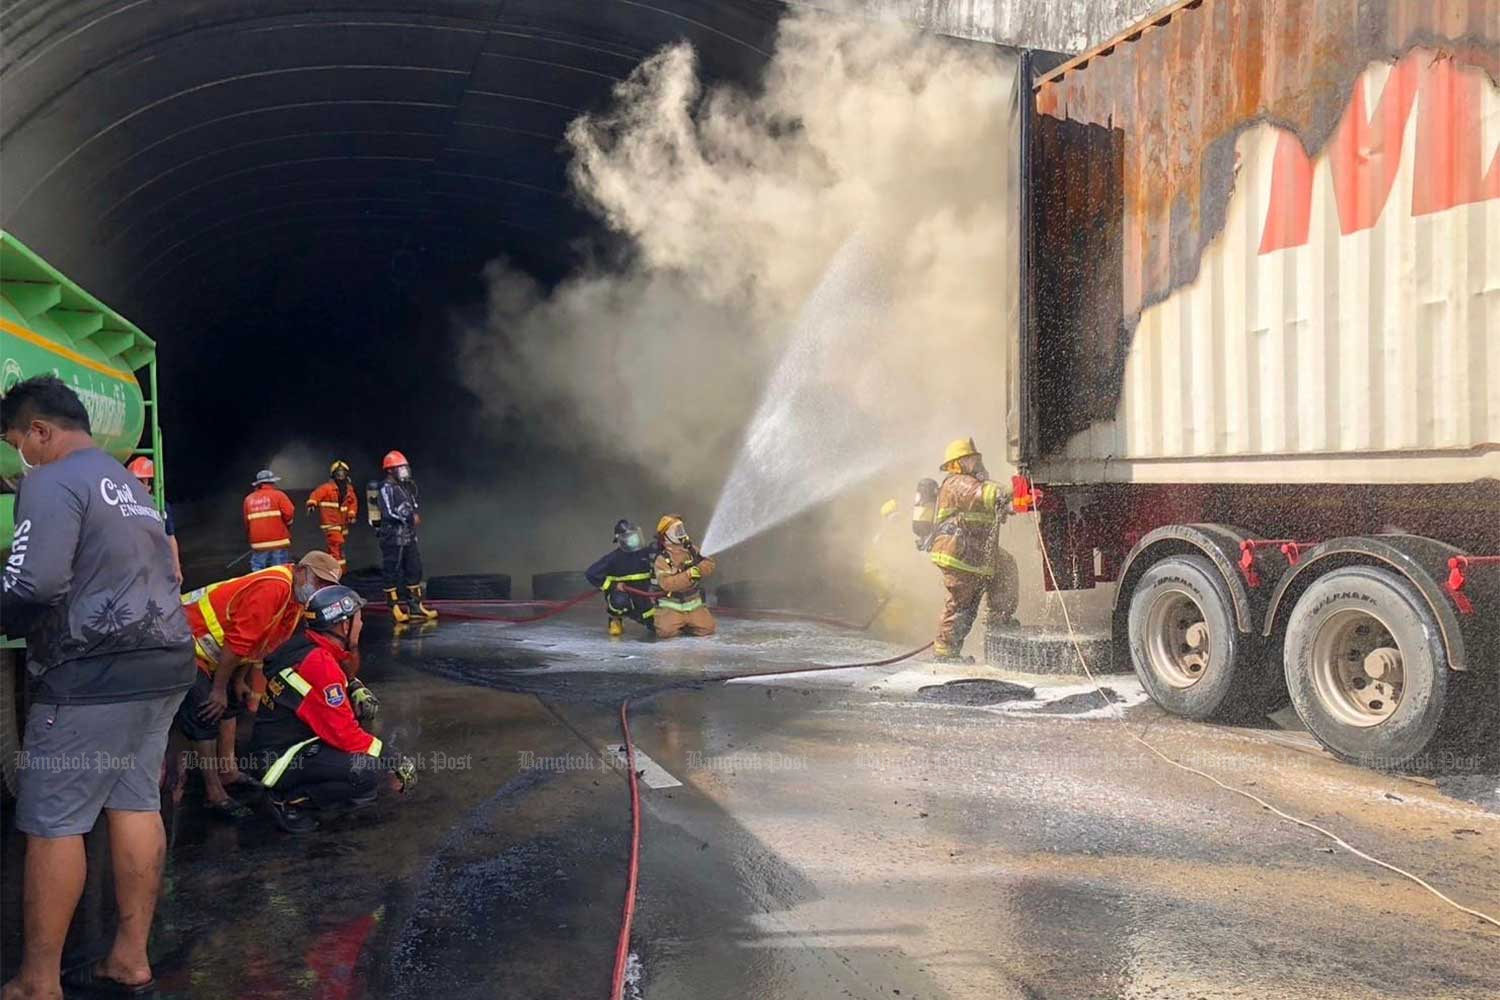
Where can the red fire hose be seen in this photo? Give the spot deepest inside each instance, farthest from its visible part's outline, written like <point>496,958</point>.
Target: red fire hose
<point>454,609</point>
<point>632,878</point>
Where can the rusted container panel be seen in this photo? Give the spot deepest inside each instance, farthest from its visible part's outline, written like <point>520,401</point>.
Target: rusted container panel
<point>1269,231</point>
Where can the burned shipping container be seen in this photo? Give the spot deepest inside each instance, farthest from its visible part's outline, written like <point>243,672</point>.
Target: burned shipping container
<point>1263,245</point>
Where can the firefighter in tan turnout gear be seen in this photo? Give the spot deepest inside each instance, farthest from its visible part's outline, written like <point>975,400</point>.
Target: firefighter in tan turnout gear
<point>679,570</point>
<point>964,548</point>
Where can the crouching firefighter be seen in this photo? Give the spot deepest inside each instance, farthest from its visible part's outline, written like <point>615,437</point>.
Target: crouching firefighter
<point>963,546</point>
<point>624,574</point>
<point>678,571</point>
<point>315,753</point>
<point>400,558</point>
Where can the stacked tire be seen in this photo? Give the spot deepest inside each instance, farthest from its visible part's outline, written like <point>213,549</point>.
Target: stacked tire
<point>470,587</point>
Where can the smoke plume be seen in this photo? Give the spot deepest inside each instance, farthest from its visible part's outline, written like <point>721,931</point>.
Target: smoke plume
<point>732,205</point>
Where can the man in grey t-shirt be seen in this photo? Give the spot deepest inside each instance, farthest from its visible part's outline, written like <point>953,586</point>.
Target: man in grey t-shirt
<point>90,585</point>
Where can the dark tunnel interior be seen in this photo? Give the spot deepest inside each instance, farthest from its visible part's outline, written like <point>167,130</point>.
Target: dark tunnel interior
<point>293,202</point>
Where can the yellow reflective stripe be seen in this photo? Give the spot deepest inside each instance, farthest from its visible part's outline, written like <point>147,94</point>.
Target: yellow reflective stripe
<point>333,527</point>
<point>375,747</point>
<point>682,606</point>
<point>328,503</point>
<point>649,614</point>
<point>296,681</point>
<point>258,515</point>
<point>276,770</point>
<point>284,543</point>
<point>991,495</point>
<point>610,581</point>
<point>211,617</point>
<point>946,561</point>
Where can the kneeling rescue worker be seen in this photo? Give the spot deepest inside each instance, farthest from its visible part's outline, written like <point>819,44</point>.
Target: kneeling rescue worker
<point>235,624</point>
<point>678,570</point>
<point>315,753</point>
<point>336,506</point>
<point>627,564</point>
<point>399,556</point>
<point>963,547</point>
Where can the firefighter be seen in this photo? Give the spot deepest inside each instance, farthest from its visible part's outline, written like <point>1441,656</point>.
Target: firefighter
<point>678,571</point>
<point>400,558</point>
<point>236,623</point>
<point>308,743</point>
<point>144,470</point>
<point>268,521</point>
<point>336,506</point>
<point>627,564</point>
<point>963,547</point>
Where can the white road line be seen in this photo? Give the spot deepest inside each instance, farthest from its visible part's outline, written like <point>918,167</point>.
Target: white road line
<point>652,773</point>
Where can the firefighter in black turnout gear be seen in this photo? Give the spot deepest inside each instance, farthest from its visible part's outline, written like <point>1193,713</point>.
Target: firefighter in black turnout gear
<point>308,743</point>
<point>628,563</point>
<point>400,558</point>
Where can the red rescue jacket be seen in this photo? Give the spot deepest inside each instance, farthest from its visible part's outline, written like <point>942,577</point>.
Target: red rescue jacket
<point>268,518</point>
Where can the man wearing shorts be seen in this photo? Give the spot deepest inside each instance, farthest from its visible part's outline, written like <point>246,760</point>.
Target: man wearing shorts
<point>90,586</point>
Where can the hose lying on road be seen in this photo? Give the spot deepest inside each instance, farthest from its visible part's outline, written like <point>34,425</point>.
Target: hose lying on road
<point>632,878</point>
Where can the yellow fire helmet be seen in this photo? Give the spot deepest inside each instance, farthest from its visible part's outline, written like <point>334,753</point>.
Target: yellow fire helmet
<point>338,464</point>
<point>667,520</point>
<point>960,449</point>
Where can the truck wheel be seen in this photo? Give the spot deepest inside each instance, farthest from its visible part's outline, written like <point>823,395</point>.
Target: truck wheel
<point>1184,645</point>
<point>11,722</point>
<point>1365,670</point>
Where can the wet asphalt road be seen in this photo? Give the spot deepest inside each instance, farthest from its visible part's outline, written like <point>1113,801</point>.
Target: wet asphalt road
<point>858,834</point>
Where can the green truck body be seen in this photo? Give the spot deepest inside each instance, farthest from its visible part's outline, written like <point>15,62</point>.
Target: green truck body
<point>48,324</point>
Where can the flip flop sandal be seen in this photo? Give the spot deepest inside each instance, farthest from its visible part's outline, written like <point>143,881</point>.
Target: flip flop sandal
<point>87,978</point>
<point>230,809</point>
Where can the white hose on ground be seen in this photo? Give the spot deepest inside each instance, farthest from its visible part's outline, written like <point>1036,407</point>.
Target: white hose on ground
<point>1306,824</point>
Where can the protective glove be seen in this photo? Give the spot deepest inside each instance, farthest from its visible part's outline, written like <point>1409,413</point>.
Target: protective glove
<point>406,773</point>
<point>366,705</point>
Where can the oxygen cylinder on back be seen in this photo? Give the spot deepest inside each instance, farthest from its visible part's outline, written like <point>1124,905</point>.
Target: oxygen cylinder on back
<point>372,503</point>
<point>924,513</point>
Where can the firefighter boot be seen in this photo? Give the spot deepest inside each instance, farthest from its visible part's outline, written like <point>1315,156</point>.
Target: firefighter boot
<point>398,610</point>
<point>616,628</point>
<point>418,609</point>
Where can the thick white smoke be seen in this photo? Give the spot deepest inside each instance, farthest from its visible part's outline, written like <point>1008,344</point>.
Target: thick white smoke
<point>734,204</point>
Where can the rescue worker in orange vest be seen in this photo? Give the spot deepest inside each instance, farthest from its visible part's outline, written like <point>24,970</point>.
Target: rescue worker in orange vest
<point>400,558</point>
<point>235,624</point>
<point>336,507</point>
<point>308,740</point>
<point>268,521</point>
<point>678,573</point>
<point>144,470</point>
<point>963,547</point>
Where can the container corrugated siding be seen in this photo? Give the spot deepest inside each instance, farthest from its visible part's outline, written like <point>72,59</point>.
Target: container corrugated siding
<point>1372,356</point>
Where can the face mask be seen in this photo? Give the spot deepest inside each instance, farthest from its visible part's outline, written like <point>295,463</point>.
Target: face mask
<point>26,466</point>
<point>304,592</point>
<point>677,534</point>
<point>631,541</point>
<point>403,473</point>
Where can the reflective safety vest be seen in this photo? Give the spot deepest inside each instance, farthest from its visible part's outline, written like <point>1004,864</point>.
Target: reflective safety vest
<point>286,689</point>
<point>209,607</point>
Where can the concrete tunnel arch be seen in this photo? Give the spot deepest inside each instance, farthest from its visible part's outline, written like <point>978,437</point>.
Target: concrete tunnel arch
<point>197,163</point>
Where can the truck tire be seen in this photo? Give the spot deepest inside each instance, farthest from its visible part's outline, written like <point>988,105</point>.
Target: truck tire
<point>11,722</point>
<point>470,587</point>
<point>1365,672</point>
<point>1185,648</point>
<point>1036,651</point>
<point>368,583</point>
<point>558,586</point>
